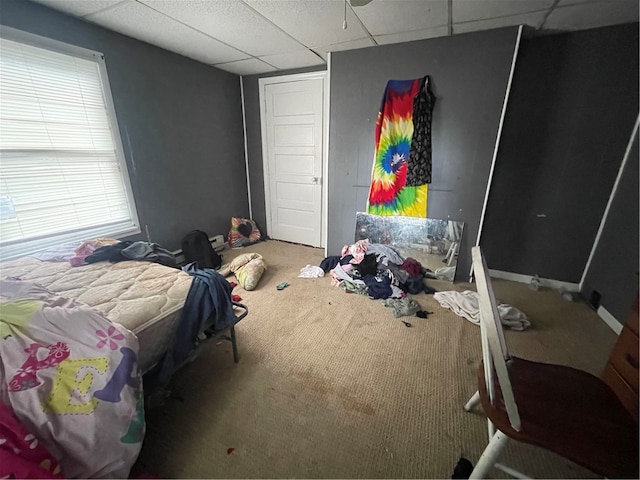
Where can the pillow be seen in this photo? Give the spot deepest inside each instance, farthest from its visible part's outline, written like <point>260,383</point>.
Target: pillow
<point>243,232</point>
<point>249,275</point>
<point>242,260</point>
<point>248,269</point>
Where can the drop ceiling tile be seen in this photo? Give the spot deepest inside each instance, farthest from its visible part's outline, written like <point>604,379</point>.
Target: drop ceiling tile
<point>231,22</point>
<point>591,15</point>
<point>284,61</point>
<point>338,47</point>
<point>411,36</point>
<point>250,66</point>
<point>311,22</point>
<point>138,21</point>
<point>79,8</point>
<point>470,10</point>
<point>530,19</point>
<point>382,17</point>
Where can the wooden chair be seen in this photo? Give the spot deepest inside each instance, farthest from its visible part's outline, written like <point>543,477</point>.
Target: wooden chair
<point>564,410</point>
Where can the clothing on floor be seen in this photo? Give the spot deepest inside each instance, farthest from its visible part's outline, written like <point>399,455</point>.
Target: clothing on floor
<point>466,304</point>
<point>415,285</point>
<point>358,250</point>
<point>412,266</point>
<point>338,274</point>
<point>311,271</point>
<point>403,307</point>
<point>378,287</point>
<point>368,266</point>
<point>397,292</point>
<point>445,273</point>
<point>329,263</point>
<point>385,254</point>
<point>346,260</point>
<point>350,287</point>
<point>463,469</point>
<point>398,273</point>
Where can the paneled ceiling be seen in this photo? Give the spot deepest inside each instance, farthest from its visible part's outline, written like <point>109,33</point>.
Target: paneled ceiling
<point>256,36</point>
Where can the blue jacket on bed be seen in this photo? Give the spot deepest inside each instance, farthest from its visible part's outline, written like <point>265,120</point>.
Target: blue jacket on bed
<point>209,296</point>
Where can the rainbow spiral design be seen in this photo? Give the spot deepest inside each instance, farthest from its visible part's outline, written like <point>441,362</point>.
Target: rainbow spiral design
<point>389,194</point>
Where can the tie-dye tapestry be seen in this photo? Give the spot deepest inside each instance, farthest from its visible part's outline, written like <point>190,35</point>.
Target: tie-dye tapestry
<point>402,161</point>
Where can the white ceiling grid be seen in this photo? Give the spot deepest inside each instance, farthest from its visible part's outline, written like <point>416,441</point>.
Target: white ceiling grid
<point>256,36</point>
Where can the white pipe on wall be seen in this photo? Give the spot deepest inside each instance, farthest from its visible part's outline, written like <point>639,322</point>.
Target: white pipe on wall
<point>495,148</point>
<point>246,153</point>
<point>603,220</point>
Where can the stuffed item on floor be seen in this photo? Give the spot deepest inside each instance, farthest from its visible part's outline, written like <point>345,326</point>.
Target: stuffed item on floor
<point>248,269</point>
<point>243,232</point>
<point>462,469</point>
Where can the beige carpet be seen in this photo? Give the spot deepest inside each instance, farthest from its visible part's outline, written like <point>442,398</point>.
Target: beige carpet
<point>331,385</point>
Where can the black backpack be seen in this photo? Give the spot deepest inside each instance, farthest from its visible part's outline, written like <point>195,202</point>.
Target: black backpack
<point>196,247</point>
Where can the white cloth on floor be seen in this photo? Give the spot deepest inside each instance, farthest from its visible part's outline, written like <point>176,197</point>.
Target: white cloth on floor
<point>465,304</point>
<point>445,273</point>
<point>311,271</point>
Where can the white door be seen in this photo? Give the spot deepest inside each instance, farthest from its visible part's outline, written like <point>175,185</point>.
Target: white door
<point>293,142</point>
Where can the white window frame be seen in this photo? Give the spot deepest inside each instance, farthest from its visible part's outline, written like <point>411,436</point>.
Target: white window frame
<point>26,247</point>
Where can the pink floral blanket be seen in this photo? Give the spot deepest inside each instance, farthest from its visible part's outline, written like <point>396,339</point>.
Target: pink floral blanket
<point>71,378</point>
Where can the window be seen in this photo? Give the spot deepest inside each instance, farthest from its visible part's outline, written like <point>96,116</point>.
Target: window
<point>62,171</point>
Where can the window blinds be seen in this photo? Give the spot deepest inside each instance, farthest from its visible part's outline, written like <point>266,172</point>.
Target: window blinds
<point>61,176</point>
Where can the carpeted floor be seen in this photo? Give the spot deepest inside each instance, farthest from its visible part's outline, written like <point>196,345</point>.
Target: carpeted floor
<point>331,385</point>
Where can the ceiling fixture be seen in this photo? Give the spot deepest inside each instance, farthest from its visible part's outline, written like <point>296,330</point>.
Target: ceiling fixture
<point>353,3</point>
<point>344,22</point>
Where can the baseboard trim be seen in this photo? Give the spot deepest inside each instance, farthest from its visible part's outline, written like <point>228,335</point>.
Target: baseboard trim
<point>609,319</point>
<point>544,282</point>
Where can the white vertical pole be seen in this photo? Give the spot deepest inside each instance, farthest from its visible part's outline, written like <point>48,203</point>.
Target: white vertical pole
<point>603,220</point>
<point>497,144</point>
<point>246,152</point>
<point>325,159</point>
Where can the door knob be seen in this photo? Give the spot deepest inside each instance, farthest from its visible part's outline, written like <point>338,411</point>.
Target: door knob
<point>315,180</point>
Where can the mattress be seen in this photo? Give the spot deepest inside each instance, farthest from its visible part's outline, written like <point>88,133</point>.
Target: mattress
<point>144,297</point>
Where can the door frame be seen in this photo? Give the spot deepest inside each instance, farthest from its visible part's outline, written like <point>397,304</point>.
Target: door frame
<point>262,83</point>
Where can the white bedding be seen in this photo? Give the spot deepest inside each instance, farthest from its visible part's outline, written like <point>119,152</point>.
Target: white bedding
<point>144,297</point>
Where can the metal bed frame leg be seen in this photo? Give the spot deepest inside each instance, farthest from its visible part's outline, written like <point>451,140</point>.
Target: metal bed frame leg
<point>234,345</point>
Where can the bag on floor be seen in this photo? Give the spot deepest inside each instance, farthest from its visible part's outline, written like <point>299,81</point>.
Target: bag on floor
<point>196,247</point>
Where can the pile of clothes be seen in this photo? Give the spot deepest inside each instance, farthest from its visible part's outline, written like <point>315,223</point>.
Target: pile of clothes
<point>377,270</point>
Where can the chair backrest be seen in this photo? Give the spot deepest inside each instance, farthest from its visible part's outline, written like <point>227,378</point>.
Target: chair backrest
<point>494,348</point>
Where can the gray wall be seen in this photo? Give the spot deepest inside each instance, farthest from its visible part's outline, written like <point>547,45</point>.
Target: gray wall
<point>614,268</point>
<point>469,74</point>
<point>572,107</point>
<point>180,123</point>
<point>254,139</point>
